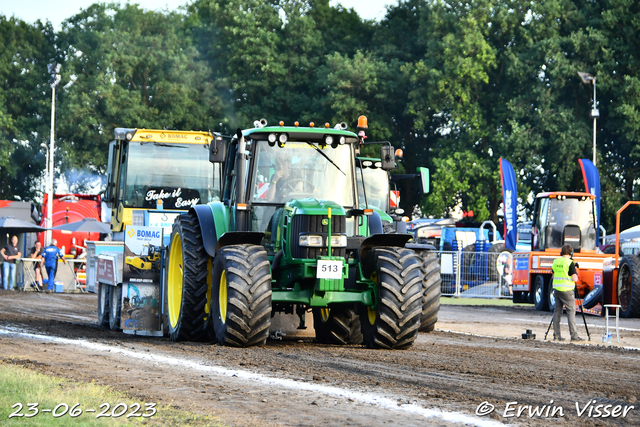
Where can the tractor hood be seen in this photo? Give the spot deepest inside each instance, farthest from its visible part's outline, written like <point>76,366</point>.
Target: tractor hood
<point>311,206</point>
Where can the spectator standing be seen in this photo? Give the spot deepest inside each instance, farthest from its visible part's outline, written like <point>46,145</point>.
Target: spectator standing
<point>36,253</point>
<point>10,254</point>
<point>51,255</point>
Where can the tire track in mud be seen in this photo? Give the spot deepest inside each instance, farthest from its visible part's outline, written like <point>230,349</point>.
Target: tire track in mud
<point>381,401</point>
<point>467,383</point>
<point>453,371</point>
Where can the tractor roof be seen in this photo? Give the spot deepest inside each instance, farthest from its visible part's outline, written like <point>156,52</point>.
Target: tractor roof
<point>570,194</point>
<point>296,133</point>
<point>164,136</point>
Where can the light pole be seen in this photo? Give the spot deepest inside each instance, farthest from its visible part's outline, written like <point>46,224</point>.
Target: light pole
<point>46,177</point>
<point>588,78</point>
<point>54,69</point>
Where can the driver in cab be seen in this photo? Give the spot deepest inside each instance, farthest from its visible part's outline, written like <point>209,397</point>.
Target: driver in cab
<point>283,180</point>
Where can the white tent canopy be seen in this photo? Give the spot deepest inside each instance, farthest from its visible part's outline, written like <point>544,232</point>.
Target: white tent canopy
<point>628,234</point>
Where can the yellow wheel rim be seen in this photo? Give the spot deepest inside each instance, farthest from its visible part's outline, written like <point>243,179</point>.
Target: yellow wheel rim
<point>174,282</point>
<point>372,314</point>
<point>324,313</point>
<point>222,297</point>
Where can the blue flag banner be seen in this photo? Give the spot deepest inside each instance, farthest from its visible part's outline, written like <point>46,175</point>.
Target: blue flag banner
<point>509,204</point>
<point>592,185</point>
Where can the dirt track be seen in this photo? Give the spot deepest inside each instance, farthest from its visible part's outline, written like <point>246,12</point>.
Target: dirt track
<point>441,380</point>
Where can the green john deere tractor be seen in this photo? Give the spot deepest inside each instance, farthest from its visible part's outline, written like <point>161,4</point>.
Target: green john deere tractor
<point>289,235</point>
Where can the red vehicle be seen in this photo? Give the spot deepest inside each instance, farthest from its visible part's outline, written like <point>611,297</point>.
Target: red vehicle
<point>71,208</point>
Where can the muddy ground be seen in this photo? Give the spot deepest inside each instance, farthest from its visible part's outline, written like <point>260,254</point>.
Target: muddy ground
<point>475,355</point>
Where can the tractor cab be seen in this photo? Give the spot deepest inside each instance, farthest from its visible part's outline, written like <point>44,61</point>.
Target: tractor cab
<point>369,171</point>
<point>562,218</point>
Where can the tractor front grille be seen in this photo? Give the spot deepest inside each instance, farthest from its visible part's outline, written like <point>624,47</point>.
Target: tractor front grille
<point>313,224</point>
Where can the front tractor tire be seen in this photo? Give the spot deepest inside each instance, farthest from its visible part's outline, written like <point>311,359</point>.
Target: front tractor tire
<point>338,325</point>
<point>395,321</point>
<point>241,296</point>
<point>104,303</point>
<point>431,291</point>
<point>187,271</point>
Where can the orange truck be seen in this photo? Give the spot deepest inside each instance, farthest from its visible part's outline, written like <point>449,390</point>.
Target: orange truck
<point>560,218</point>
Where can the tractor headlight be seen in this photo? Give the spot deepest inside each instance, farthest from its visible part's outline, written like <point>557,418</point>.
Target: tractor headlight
<point>342,140</point>
<point>282,138</point>
<point>338,241</point>
<point>328,140</point>
<point>310,240</point>
<point>272,138</point>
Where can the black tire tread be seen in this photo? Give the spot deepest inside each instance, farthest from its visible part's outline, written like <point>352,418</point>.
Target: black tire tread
<point>248,296</point>
<point>192,322</point>
<point>543,305</point>
<point>400,278</point>
<point>431,291</point>
<point>116,295</point>
<point>633,310</point>
<point>341,328</point>
<point>103,306</point>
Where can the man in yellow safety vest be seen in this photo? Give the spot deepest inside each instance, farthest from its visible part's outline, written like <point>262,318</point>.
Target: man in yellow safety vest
<point>564,277</point>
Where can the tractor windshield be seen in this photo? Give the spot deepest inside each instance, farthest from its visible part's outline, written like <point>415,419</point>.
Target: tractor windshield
<point>300,170</point>
<point>376,184</point>
<point>565,215</point>
<point>179,174</point>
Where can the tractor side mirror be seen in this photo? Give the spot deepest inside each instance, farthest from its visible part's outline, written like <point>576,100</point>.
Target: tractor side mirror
<point>388,157</point>
<point>424,179</point>
<point>217,150</point>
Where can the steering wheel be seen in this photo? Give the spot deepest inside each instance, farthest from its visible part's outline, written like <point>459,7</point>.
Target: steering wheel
<point>288,186</point>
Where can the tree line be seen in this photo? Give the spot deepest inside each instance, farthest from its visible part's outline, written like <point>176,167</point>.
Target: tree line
<point>455,84</point>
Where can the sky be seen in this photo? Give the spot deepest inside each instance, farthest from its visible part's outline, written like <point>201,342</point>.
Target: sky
<point>58,11</point>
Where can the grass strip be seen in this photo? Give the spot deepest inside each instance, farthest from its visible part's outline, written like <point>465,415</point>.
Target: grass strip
<point>22,385</point>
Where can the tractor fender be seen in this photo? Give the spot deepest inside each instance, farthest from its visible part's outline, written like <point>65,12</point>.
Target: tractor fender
<point>375,224</point>
<point>207,227</point>
<point>238,238</point>
<point>420,246</point>
<point>398,240</point>
<point>213,226</point>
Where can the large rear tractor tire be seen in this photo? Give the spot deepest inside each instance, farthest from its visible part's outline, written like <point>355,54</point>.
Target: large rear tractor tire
<point>629,286</point>
<point>241,296</point>
<point>431,292</point>
<point>188,267</point>
<point>103,305</point>
<point>337,325</point>
<point>115,308</point>
<point>395,321</point>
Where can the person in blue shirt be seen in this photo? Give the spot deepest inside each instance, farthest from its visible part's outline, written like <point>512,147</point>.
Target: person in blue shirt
<point>51,255</point>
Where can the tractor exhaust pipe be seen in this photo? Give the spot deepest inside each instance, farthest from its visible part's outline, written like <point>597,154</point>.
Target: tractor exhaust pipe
<point>241,204</point>
<point>341,126</point>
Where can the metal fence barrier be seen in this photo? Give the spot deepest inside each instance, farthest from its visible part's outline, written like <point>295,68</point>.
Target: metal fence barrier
<point>68,274</point>
<point>474,275</point>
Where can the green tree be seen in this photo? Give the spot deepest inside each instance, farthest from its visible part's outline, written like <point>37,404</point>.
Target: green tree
<point>25,99</point>
<point>127,67</point>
